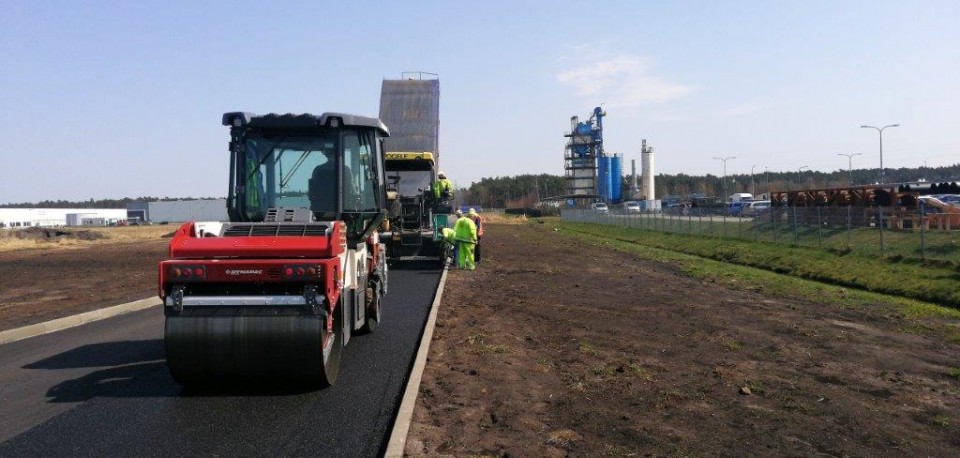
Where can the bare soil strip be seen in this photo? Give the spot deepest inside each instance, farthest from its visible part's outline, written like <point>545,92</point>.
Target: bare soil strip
<point>560,347</point>
<point>37,285</point>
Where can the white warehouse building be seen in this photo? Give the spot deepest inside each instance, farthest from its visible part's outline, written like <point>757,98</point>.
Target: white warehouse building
<point>49,217</point>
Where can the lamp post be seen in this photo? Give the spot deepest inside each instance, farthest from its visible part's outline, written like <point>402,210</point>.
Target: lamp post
<point>880,130</point>
<point>800,177</point>
<point>723,181</point>
<point>849,164</point>
<point>880,207</point>
<point>753,183</point>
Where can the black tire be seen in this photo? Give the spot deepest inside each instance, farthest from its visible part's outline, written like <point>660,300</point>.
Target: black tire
<point>373,310</point>
<point>331,360</point>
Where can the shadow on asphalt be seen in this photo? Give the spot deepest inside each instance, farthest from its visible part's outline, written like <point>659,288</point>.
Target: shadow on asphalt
<point>104,354</point>
<point>139,369</point>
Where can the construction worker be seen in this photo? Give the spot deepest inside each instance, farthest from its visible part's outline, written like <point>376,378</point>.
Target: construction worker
<point>442,188</point>
<point>475,217</point>
<point>449,238</point>
<point>466,235</point>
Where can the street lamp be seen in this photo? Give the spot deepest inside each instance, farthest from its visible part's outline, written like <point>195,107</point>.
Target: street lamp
<point>880,130</point>
<point>799,176</point>
<point>850,164</point>
<point>723,181</point>
<point>753,183</point>
<point>880,207</point>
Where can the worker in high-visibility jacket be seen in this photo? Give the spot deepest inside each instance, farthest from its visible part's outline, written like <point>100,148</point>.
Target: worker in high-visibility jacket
<point>442,188</point>
<point>475,217</point>
<point>449,237</point>
<point>466,234</point>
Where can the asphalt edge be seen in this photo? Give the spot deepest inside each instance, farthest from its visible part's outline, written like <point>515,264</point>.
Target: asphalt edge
<point>401,426</point>
<point>59,324</point>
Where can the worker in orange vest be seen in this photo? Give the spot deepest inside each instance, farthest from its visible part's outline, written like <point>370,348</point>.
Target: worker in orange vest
<point>473,215</point>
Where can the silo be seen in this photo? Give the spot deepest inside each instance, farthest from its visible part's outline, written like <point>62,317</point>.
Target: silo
<point>616,178</point>
<point>603,178</point>
<point>646,166</point>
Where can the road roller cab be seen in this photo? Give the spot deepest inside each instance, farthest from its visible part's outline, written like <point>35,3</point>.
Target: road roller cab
<point>277,291</point>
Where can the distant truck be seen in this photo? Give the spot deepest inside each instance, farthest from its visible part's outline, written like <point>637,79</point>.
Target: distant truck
<point>740,197</point>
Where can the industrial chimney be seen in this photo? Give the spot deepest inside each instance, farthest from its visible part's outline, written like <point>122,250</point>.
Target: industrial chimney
<point>646,164</point>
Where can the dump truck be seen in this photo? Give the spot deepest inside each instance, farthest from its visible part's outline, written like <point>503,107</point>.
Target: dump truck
<point>277,291</point>
<point>412,232</point>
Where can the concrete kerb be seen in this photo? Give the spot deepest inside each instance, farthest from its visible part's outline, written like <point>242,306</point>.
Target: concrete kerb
<point>58,324</point>
<point>401,427</point>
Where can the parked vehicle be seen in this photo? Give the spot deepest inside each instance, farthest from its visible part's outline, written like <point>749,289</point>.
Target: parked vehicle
<point>740,197</point>
<point>736,208</point>
<point>631,207</point>
<point>755,208</point>
<point>600,207</point>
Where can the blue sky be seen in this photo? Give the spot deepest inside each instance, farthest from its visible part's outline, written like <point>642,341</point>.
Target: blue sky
<point>115,99</point>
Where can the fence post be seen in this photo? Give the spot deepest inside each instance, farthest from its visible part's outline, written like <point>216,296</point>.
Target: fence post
<point>724,220</point>
<point>773,222</point>
<point>880,223</point>
<point>796,233</point>
<point>699,220</point>
<point>849,227</point>
<point>756,228</point>
<point>923,222</point>
<point>819,229</point>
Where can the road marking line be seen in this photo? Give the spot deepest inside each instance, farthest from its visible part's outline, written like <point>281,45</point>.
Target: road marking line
<point>59,324</point>
<point>401,427</point>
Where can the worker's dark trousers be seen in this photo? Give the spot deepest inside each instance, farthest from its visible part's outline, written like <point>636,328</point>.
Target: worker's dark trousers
<point>476,252</point>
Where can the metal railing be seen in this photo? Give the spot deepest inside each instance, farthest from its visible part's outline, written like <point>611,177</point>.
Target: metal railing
<point>907,233</point>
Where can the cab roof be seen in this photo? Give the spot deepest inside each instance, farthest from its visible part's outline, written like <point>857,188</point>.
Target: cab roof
<point>290,120</point>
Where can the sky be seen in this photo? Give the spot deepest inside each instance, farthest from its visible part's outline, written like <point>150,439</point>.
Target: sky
<point>123,99</point>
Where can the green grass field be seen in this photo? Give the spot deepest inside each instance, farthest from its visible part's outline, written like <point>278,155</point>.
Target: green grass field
<point>831,235</point>
<point>937,282</point>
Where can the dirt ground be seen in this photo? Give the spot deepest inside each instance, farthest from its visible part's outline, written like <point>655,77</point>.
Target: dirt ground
<point>558,347</point>
<point>41,284</point>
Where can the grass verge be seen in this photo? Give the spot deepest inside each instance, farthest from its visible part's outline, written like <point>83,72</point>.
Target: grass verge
<point>927,317</point>
<point>928,282</point>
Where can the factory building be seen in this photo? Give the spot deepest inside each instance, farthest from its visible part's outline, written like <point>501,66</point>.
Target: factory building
<point>173,211</point>
<point>591,174</point>
<point>176,211</point>
<point>52,217</point>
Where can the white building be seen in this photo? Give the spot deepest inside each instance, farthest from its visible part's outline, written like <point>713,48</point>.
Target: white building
<point>48,217</point>
<point>176,211</point>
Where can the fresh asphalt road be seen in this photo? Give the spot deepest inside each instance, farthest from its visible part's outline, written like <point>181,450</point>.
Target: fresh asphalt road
<point>103,389</point>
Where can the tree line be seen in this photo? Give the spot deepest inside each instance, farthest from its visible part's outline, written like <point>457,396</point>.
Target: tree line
<point>497,192</point>
<point>97,203</point>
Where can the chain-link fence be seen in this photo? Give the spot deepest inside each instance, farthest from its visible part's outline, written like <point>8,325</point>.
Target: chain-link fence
<point>907,233</point>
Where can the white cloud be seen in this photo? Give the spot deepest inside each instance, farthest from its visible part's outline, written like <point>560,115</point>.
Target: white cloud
<point>623,80</point>
<point>740,110</point>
